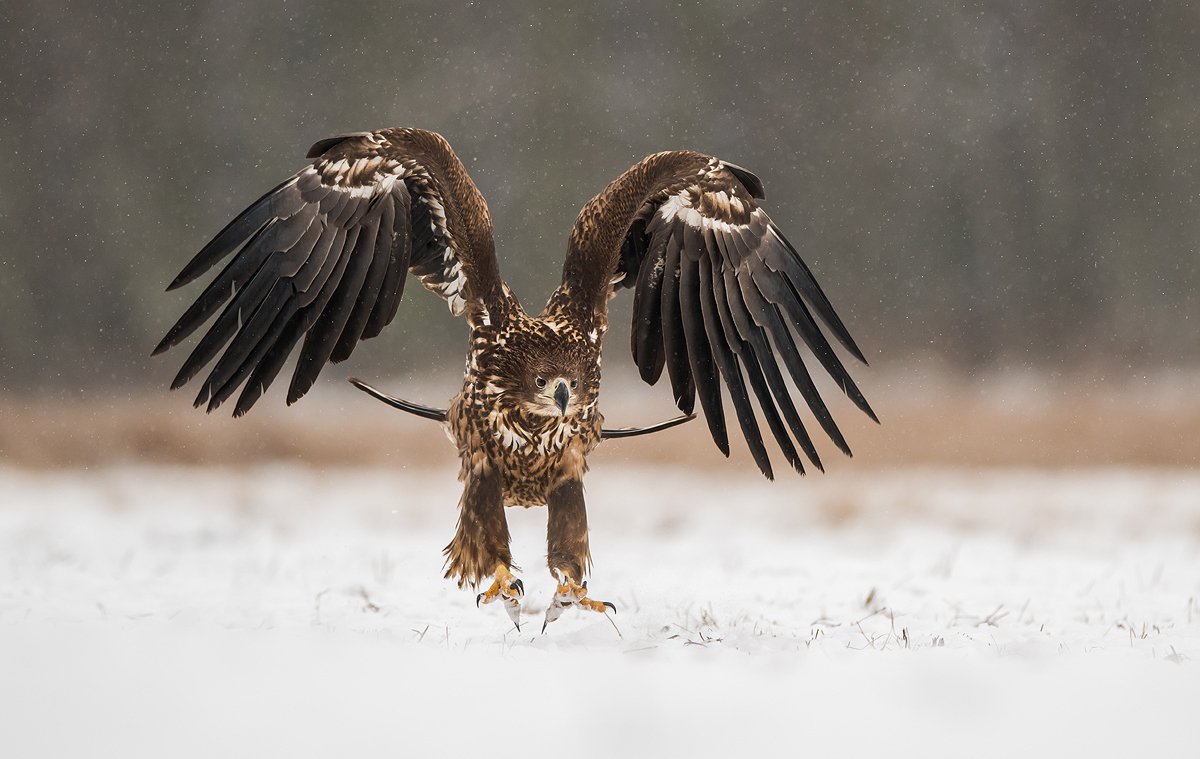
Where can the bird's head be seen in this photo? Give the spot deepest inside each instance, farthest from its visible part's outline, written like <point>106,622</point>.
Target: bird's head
<point>556,380</point>
<point>554,391</point>
<point>546,373</point>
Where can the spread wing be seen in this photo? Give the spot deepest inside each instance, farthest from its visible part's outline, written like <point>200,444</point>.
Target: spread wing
<point>324,255</point>
<point>720,295</point>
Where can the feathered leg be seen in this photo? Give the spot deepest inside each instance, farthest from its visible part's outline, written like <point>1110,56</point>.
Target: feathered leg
<point>567,551</point>
<point>480,546</point>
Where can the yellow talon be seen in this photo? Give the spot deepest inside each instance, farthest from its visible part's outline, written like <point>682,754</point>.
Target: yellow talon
<point>569,594</point>
<point>507,588</point>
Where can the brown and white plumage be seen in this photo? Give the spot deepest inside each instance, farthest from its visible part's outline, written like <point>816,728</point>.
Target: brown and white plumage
<point>720,298</point>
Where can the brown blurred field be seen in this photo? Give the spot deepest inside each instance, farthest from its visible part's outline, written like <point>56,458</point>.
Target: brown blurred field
<point>1030,422</point>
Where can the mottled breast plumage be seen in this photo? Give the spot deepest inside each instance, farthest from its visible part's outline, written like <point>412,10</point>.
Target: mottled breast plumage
<point>500,419</point>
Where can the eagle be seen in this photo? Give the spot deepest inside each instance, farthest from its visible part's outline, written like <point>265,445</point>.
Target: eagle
<point>720,298</point>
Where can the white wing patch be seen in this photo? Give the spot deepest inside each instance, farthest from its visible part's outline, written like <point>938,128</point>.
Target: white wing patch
<point>680,206</point>
<point>448,281</point>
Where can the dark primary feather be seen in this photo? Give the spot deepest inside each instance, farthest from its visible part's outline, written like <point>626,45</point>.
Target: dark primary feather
<point>781,256</point>
<point>324,257</point>
<point>700,358</point>
<point>647,334</point>
<point>321,340</point>
<point>366,296</point>
<point>279,203</point>
<point>674,342</point>
<point>730,371</point>
<point>720,298</point>
<point>736,324</point>
<point>392,288</point>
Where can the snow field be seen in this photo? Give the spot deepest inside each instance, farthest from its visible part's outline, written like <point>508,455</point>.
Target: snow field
<point>271,610</point>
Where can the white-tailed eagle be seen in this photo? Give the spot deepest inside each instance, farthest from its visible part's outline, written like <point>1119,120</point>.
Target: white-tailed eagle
<point>719,297</point>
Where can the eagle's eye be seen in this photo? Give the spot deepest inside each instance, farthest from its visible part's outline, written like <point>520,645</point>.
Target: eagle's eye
<point>540,382</point>
<point>574,384</point>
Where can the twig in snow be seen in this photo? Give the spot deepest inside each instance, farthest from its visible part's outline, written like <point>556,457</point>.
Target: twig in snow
<point>892,617</point>
<point>813,635</point>
<point>367,600</point>
<point>1021,613</point>
<point>869,639</point>
<point>992,619</point>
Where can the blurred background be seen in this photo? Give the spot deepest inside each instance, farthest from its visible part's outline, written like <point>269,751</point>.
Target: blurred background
<point>1000,198</point>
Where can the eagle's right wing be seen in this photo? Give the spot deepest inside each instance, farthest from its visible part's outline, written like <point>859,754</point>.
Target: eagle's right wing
<point>720,298</point>
<point>324,255</point>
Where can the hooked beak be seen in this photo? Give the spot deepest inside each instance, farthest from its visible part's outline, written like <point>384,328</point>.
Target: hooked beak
<point>562,396</point>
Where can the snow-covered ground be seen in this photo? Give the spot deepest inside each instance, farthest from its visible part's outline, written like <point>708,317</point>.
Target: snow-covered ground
<point>283,611</point>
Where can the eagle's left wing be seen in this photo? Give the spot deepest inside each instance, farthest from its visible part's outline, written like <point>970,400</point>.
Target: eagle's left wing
<point>324,257</point>
<point>719,295</point>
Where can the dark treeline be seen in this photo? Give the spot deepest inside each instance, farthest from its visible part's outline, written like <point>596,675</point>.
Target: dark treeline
<point>1000,184</point>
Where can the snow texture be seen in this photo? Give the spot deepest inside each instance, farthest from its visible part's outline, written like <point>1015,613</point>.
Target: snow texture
<point>282,611</point>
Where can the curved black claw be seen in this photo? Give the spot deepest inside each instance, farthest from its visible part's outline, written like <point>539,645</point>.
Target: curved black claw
<point>508,590</point>
<point>612,606</point>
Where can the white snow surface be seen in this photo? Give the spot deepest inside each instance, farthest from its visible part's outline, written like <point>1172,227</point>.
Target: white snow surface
<point>285,611</point>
